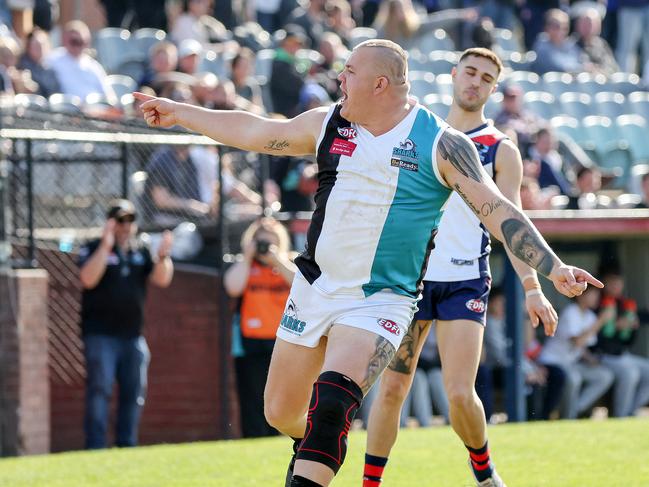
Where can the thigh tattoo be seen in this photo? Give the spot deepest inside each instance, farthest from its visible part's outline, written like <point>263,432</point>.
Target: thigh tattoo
<point>405,360</point>
<point>379,360</point>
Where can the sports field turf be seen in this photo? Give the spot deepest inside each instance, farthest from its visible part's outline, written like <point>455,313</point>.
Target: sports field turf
<point>556,454</point>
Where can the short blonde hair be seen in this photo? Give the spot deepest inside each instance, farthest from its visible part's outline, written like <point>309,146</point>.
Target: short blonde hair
<point>485,53</point>
<point>395,59</point>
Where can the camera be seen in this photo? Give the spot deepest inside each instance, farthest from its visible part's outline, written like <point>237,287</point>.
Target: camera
<point>263,246</point>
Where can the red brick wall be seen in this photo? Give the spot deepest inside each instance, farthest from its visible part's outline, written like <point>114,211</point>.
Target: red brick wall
<point>24,378</point>
<point>185,400</point>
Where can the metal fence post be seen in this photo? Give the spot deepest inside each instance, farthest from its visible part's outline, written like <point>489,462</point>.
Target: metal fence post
<point>30,203</point>
<point>514,381</point>
<point>124,161</point>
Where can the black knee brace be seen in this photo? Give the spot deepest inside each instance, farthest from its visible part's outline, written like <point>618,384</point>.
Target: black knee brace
<point>334,403</point>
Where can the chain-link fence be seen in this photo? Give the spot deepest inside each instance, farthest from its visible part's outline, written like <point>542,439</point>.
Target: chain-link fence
<point>60,172</point>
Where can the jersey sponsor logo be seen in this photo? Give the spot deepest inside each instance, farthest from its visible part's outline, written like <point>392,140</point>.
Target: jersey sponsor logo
<point>461,261</point>
<point>389,325</point>
<point>408,166</point>
<point>290,321</point>
<point>407,145</point>
<point>342,147</point>
<point>347,132</point>
<point>475,305</point>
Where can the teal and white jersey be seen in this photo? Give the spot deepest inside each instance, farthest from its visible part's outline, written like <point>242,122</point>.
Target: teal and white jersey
<point>378,205</point>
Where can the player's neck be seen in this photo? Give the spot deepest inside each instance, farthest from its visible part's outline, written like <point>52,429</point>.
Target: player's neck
<point>464,121</point>
<point>382,123</point>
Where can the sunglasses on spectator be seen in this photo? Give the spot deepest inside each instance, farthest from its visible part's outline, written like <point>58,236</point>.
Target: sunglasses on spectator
<point>126,219</point>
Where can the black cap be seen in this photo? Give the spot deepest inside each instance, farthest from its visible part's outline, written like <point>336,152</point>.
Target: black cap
<point>120,208</point>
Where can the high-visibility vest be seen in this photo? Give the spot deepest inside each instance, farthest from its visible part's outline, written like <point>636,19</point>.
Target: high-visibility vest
<point>263,302</point>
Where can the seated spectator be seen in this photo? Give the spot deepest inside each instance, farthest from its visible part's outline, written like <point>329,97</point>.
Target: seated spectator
<point>189,56</point>
<point>515,117</point>
<point>286,80</point>
<point>241,74</point>
<point>195,23</point>
<point>36,49</point>
<point>163,58</point>
<point>550,166</point>
<point>544,382</point>
<point>586,197</point>
<point>261,282</point>
<point>586,379</point>
<point>645,192</point>
<point>13,80</point>
<point>311,18</point>
<point>398,21</point>
<point>588,27</point>
<point>614,342</point>
<point>532,198</point>
<point>78,73</point>
<point>339,20</point>
<point>555,51</point>
<point>221,95</point>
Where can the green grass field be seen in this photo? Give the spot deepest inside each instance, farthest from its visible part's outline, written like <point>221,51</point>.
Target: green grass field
<point>554,454</point>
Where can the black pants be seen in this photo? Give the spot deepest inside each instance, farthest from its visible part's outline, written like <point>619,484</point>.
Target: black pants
<point>252,371</point>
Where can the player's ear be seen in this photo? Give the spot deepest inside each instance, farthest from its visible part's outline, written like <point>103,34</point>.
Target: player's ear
<point>381,84</point>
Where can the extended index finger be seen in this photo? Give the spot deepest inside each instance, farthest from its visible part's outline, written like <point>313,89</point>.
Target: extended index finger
<point>142,96</point>
<point>584,276</point>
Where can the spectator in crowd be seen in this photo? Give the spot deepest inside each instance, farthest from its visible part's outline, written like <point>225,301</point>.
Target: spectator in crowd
<point>588,184</point>
<point>195,23</point>
<point>261,282</point>
<point>398,21</point>
<point>286,80</point>
<point>311,18</point>
<point>114,272</point>
<point>532,198</point>
<point>135,14</point>
<point>241,74</point>
<point>18,15</point>
<point>163,58</point>
<point>532,14</point>
<point>544,154</point>
<point>555,51</point>
<point>632,28</point>
<point>544,382</point>
<point>616,336</point>
<point>645,192</point>
<point>13,80</point>
<point>37,47</point>
<point>501,12</point>
<point>514,117</point>
<point>339,20</point>
<point>270,13</point>
<point>586,379</point>
<point>189,56</point>
<point>77,72</point>
<point>333,53</point>
<point>588,27</point>
<point>210,92</point>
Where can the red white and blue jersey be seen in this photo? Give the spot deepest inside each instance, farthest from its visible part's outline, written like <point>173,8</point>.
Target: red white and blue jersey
<point>462,244</point>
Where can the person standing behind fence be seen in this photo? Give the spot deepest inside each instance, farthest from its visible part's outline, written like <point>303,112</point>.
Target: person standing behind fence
<point>115,271</point>
<point>261,281</point>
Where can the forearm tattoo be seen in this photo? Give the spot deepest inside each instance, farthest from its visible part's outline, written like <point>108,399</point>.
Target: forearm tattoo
<point>459,191</point>
<point>460,151</point>
<point>405,360</point>
<point>527,245</point>
<point>276,145</point>
<point>379,360</point>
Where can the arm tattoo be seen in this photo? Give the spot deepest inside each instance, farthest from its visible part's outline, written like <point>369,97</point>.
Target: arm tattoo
<point>276,145</point>
<point>460,151</point>
<point>405,360</point>
<point>527,245</point>
<point>378,361</point>
<point>459,191</point>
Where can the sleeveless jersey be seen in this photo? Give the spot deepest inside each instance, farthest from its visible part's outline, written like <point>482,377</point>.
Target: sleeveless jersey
<point>378,203</point>
<point>462,246</point>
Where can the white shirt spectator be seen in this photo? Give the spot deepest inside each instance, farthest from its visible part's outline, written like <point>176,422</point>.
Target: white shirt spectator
<point>560,348</point>
<point>79,76</point>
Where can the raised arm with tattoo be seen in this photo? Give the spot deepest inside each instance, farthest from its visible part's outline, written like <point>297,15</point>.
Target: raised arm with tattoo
<point>239,129</point>
<point>460,166</point>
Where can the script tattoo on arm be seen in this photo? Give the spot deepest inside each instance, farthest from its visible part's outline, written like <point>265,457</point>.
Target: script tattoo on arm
<point>460,151</point>
<point>379,360</point>
<point>526,244</point>
<point>459,191</point>
<point>405,360</point>
<point>276,145</point>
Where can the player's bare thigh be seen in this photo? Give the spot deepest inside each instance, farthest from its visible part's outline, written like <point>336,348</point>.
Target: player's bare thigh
<point>359,354</point>
<point>460,346</point>
<point>293,370</point>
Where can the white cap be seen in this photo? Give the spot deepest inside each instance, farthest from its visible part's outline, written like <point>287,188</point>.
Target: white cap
<point>189,47</point>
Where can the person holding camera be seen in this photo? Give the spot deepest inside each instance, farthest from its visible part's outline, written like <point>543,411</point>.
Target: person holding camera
<point>115,271</point>
<point>261,282</point>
